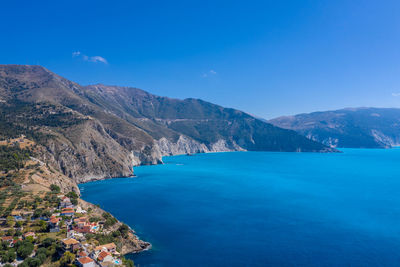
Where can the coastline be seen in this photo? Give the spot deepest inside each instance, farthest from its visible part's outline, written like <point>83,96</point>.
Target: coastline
<point>132,243</point>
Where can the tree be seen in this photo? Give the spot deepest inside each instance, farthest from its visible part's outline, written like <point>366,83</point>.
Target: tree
<point>41,257</point>
<point>11,255</point>
<point>33,262</point>
<point>24,248</point>
<point>127,263</point>
<point>43,226</point>
<point>54,188</point>
<point>10,221</point>
<point>124,229</point>
<point>48,242</point>
<point>72,194</point>
<point>67,259</point>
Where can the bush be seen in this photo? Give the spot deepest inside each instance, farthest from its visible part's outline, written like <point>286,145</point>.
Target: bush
<point>54,188</point>
<point>24,248</point>
<point>124,230</point>
<point>48,242</point>
<point>72,195</point>
<point>127,262</point>
<point>67,259</point>
<point>32,262</point>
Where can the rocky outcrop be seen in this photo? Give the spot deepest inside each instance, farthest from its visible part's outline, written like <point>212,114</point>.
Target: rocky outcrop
<point>186,145</point>
<point>87,152</point>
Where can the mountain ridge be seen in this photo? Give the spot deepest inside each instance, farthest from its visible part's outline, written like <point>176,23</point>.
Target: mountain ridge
<point>362,127</point>
<point>99,131</point>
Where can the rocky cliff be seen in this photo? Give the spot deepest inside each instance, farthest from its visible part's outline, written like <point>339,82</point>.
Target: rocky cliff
<point>99,131</point>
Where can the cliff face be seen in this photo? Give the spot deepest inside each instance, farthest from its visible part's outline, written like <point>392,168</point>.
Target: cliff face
<point>99,131</point>
<point>356,127</point>
<point>185,145</point>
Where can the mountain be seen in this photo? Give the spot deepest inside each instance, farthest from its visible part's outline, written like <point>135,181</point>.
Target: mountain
<point>99,131</point>
<point>352,127</point>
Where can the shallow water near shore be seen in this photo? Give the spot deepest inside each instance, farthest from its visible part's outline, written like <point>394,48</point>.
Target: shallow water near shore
<point>262,208</point>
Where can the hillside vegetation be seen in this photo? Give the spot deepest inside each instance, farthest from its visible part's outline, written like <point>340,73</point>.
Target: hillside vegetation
<point>100,131</point>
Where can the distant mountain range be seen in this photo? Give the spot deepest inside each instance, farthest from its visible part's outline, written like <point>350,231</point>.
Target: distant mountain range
<point>99,131</point>
<point>352,127</point>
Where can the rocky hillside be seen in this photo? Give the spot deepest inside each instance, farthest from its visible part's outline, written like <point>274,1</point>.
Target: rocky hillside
<point>357,127</point>
<point>99,131</point>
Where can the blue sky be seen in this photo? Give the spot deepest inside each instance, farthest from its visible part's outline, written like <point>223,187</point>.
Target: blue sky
<point>268,58</point>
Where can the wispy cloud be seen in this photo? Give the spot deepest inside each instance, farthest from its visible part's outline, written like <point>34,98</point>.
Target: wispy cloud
<point>209,73</point>
<point>95,59</point>
<point>395,94</point>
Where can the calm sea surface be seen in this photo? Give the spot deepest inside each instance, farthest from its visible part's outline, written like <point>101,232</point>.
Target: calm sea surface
<point>262,209</point>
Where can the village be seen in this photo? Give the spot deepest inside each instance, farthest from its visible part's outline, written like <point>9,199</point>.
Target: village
<point>55,230</point>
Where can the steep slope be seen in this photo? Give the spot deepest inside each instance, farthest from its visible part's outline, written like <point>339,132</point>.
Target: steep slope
<point>357,127</point>
<point>81,139</point>
<point>199,125</point>
<point>95,132</point>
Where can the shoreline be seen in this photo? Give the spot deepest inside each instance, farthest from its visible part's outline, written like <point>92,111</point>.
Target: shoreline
<point>132,243</point>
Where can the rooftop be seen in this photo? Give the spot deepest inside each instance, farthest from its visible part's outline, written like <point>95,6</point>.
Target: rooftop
<point>107,246</point>
<point>85,260</point>
<point>70,241</point>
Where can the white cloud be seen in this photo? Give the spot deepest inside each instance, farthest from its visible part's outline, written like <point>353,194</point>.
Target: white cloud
<point>209,73</point>
<point>94,59</point>
<point>395,94</point>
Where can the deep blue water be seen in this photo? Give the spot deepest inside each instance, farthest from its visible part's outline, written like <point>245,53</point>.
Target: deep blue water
<point>262,209</point>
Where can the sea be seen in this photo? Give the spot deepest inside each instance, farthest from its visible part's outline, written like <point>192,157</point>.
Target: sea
<point>262,208</point>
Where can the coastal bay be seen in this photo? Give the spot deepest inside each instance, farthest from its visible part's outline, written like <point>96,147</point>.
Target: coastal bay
<point>262,208</point>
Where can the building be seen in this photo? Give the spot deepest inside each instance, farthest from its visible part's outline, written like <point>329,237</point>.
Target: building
<point>107,264</point>
<point>104,256</point>
<point>70,244</point>
<point>53,224</point>
<point>85,262</point>
<point>85,229</point>
<point>82,254</point>
<point>65,203</point>
<point>111,247</point>
<point>67,212</point>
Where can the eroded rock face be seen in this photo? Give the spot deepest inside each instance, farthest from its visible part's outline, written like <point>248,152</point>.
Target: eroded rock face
<point>186,145</point>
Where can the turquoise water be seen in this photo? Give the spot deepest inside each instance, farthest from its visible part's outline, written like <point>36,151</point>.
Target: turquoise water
<point>262,209</point>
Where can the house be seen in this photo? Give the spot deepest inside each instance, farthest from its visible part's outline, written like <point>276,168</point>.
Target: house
<point>111,247</point>
<point>82,254</point>
<point>17,214</point>
<point>85,229</point>
<point>67,212</point>
<point>53,224</point>
<point>80,210</point>
<point>65,203</point>
<point>107,264</point>
<point>104,256</point>
<point>85,262</point>
<point>70,244</point>
<point>32,234</point>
